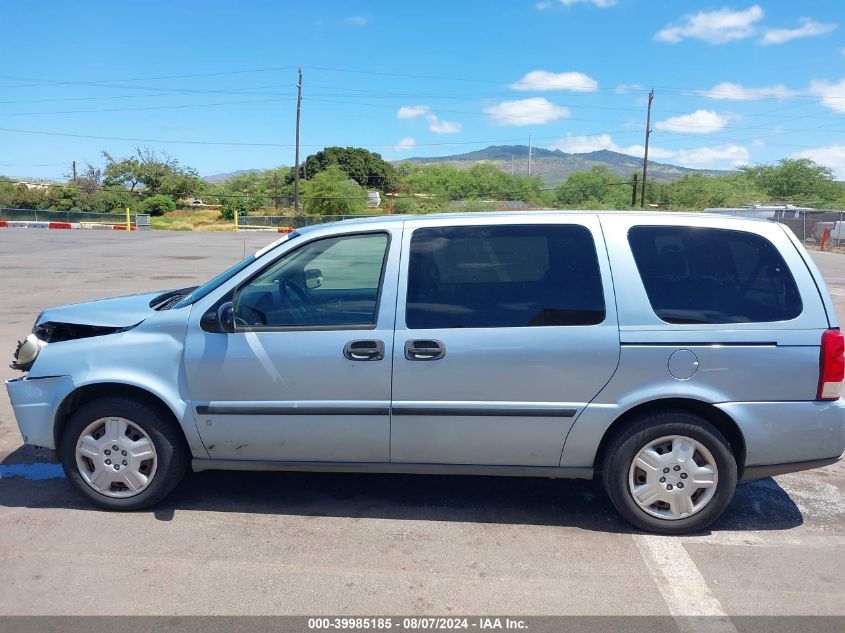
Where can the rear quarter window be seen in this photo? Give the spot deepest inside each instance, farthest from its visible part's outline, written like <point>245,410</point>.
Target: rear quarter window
<point>710,276</point>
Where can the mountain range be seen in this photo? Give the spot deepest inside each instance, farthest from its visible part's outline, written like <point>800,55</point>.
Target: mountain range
<point>554,166</point>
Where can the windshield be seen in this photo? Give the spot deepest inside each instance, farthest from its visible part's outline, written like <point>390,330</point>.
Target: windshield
<point>227,274</point>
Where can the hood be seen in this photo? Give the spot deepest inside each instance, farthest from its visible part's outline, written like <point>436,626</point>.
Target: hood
<point>118,312</point>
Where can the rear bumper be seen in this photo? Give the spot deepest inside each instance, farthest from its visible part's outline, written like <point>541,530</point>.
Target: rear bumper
<point>783,437</point>
<point>35,402</point>
<point>760,472</point>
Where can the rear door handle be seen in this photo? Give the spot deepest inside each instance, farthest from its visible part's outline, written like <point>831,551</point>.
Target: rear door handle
<point>424,349</point>
<point>364,350</point>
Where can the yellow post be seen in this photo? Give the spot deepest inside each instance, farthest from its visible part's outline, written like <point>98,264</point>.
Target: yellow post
<point>236,220</point>
<point>128,221</point>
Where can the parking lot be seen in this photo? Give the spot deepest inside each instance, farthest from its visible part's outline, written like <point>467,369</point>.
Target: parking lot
<point>298,543</point>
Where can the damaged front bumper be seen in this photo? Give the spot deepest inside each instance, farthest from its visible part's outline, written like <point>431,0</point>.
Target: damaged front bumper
<point>35,402</point>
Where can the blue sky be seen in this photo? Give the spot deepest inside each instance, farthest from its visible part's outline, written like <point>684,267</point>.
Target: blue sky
<point>735,82</point>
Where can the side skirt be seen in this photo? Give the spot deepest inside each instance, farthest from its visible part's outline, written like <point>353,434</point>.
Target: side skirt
<point>554,472</point>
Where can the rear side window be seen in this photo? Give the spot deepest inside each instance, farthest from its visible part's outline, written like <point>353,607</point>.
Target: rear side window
<point>503,276</point>
<point>703,275</point>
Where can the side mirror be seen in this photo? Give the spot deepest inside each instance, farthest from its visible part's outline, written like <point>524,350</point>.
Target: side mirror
<point>226,317</point>
<point>313,278</point>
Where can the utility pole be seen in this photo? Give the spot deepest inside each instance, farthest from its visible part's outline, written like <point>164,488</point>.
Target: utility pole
<point>645,155</point>
<point>529,155</point>
<point>296,159</point>
<point>73,169</point>
<point>276,189</point>
<point>634,192</point>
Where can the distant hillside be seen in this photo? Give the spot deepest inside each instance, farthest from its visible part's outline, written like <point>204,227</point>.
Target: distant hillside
<point>218,178</point>
<point>554,166</point>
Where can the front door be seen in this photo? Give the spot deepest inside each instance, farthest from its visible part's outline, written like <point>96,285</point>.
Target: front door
<point>503,334</point>
<point>306,374</point>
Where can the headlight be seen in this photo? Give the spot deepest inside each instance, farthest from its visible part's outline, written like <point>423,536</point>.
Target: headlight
<point>27,352</point>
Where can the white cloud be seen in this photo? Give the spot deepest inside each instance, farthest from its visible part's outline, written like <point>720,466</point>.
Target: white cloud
<point>713,27</point>
<point>355,20</point>
<point>578,144</point>
<point>405,144</point>
<point>808,28</point>
<point>412,112</point>
<point>832,95</point>
<point>699,122</point>
<point>436,125</point>
<point>712,157</point>
<point>541,80</point>
<point>832,156</point>
<point>534,111</point>
<point>602,4</point>
<point>736,92</point>
<point>439,126</point>
<point>726,25</point>
<point>708,157</point>
<point>582,144</point>
<point>623,88</point>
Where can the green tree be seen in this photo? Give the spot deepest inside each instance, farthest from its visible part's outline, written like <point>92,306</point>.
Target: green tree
<point>582,187</point>
<point>158,204</point>
<point>151,174</point>
<point>331,192</point>
<point>242,205</point>
<point>481,181</point>
<point>795,180</point>
<point>266,185</point>
<point>366,168</point>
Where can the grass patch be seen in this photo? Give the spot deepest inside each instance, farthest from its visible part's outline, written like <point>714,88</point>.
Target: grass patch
<point>191,220</point>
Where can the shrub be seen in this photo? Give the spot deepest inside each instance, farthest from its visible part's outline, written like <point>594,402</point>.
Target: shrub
<point>404,205</point>
<point>158,205</point>
<point>242,205</point>
<point>331,192</point>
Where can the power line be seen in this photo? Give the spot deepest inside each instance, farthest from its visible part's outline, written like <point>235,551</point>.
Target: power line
<point>262,144</point>
<point>40,82</point>
<point>145,108</point>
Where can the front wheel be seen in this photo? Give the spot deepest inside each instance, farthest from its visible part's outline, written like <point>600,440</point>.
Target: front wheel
<point>122,454</point>
<point>671,473</point>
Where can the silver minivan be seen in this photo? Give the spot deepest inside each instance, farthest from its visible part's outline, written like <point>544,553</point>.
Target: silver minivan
<point>666,354</point>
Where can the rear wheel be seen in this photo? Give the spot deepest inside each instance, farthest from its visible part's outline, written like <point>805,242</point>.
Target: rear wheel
<point>122,454</point>
<point>670,472</point>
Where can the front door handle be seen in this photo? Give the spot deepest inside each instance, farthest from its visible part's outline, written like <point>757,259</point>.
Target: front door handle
<point>364,350</point>
<point>424,349</point>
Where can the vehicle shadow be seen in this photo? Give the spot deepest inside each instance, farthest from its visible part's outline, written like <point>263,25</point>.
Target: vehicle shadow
<point>758,505</point>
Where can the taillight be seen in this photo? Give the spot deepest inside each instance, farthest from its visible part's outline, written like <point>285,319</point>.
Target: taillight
<point>831,365</point>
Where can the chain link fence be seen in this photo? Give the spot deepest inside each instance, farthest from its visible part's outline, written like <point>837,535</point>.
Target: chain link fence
<point>295,221</point>
<point>41,215</point>
<point>807,224</point>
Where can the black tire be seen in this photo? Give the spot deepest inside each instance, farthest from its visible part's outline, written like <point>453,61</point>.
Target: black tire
<point>172,455</point>
<point>624,447</point>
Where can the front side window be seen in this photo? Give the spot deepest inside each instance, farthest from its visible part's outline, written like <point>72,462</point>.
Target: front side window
<point>704,275</point>
<point>332,282</point>
<point>503,276</point>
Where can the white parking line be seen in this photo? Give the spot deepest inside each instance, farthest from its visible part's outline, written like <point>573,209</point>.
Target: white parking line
<point>694,607</point>
<point>808,540</point>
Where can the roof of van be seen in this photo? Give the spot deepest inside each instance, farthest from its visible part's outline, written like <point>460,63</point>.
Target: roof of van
<point>525,214</point>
